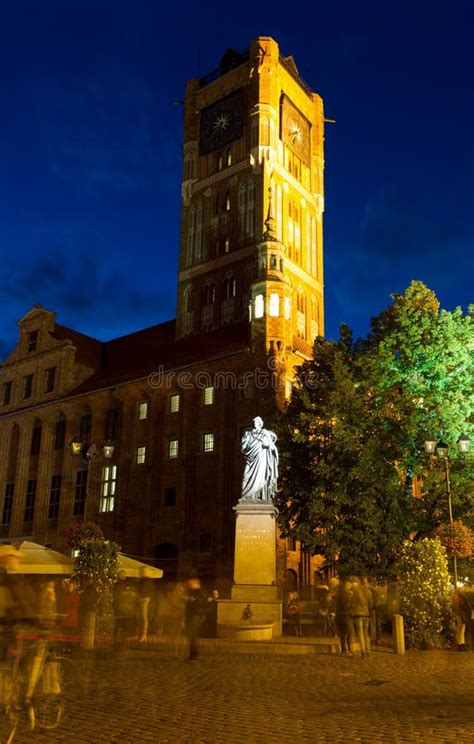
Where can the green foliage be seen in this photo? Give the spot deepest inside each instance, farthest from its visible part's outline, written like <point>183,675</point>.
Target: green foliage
<point>351,440</point>
<point>97,561</point>
<point>423,591</point>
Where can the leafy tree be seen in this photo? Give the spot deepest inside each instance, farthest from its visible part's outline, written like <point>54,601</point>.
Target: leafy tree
<point>351,438</point>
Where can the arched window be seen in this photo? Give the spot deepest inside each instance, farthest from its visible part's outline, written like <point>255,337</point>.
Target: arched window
<point>209,294</point>
<point>242,208</point>
<point>259,306</point>
<point>229,287</point>
<point>251,209</point>
<point>220,162</point>
<point>188,300</point>
<point>229,157</point>
<point>301,313</point>
<point>227,201</point>
<point>314,318</point>
<point>226,245</point>
<point>198,234</point>
<point>216,205</point>
<point>274,305</point>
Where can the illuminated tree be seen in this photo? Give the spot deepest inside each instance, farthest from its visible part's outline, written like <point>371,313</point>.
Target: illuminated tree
<point>351,438</point>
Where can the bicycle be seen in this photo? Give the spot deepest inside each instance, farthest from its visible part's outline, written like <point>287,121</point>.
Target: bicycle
<point>32,684</point>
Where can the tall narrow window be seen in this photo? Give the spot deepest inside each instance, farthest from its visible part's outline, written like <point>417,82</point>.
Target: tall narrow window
<point>209,294</point>
<point>59,434</point>
<point>229,157</point>
<point>112,423</point>
<point>140,455</point>
<point>85,427</point>
<point>274,308</point>
<point>242,209</point>
<point>170,496</point>
<point>208,396</point>
<point>49,379</point>
<point>198,238</point>
<point>80,493</point>
<point>227,202</point>
<point>208,442</point>
<point>7,393</point>
<point>259,306</point>
<point>36,440</point>
<point>174,403</point>
<point>109,482</point>
<point>251,209</point>
<point>229,287</point>
<point>30,500</point>
<point>173,449</point>
<point>27,386</point>
<point>142,411</point>
<point>190,237</point>
<point>226,245</point>
<point>279,212</point>
<point>54,497</point>
<point>32,342</point>
<point>8,503</point>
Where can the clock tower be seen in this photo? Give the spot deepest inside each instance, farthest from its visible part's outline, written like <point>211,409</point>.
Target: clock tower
<point>252,203</point>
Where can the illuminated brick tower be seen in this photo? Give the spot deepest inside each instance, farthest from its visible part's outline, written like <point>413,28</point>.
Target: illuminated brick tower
<point>252,204</point>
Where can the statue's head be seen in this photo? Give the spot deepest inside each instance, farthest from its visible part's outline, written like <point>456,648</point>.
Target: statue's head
<point>258,423</point>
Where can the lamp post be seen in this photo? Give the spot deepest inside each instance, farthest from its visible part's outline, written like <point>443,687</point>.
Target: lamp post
<point>440,449</point>
<point>90,452</point>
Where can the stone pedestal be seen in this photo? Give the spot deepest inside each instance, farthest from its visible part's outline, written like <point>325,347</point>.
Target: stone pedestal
<point>254,592</point>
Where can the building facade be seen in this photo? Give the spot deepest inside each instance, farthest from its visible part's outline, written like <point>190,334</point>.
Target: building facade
<point>174,399</point>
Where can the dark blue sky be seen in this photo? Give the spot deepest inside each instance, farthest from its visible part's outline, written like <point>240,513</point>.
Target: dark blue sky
<point>90,150</point>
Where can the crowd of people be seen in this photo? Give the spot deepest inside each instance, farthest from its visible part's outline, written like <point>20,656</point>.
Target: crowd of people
<point>351,610</point>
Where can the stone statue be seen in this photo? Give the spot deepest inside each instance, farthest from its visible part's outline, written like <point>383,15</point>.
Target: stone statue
<point>261,463</point>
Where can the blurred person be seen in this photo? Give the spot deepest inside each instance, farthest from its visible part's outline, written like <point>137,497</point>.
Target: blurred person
<point>360,605</point>
<point>125,608</point>
<point>462,615</point>
<point>292,613</point>
<point>47,603</point>
<point>145,593</point>
<point>194,612</point>
<point>9,556</point>
<point>209,625</point>
<point>342,617</point>
<point>69,606</point>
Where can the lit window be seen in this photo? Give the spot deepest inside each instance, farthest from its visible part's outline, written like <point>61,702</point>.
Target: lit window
<point>173,449</point>
<point>220,162</point>
<point>174,403</point>
<point>274,308</point>
<point>141,454</point>
<point>208,442</point>
<point>142,411</point>
<point>259,306</point>
<point>226,245</point>
<point>229,157</point>
<point>287,308</point>
<point>109,482</point>
<point>208,396</point>
<point>227,202</point>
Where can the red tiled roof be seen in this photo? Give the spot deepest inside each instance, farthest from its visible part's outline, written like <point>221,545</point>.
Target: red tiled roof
<point>137,355</point>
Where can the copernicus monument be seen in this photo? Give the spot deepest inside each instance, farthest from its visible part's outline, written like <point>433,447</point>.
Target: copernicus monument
<point>254,611</point>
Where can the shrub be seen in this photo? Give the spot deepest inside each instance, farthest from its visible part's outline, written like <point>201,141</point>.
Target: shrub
<point>424,593</point>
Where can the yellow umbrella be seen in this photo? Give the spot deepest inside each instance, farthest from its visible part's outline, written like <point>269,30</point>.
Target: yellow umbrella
<point>36,559</point>
<point>137,569</point>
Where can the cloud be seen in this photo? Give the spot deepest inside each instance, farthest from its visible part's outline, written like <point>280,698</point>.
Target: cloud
<point>87,295</point>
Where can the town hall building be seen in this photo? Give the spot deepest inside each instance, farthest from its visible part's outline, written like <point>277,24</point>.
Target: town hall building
<point>141,434</point>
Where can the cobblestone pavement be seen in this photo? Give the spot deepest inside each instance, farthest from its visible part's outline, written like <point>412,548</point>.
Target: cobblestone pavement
<point>152,696</point>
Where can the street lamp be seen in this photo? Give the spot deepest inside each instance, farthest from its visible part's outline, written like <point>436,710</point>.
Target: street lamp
<point>89,452</point>
<point>441,451</point>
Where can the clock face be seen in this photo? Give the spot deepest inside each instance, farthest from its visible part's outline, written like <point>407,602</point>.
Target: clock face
<point>295,130</point>
<point>222,122</point>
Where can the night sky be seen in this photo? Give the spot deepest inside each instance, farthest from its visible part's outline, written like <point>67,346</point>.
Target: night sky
<point>90,150</point>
